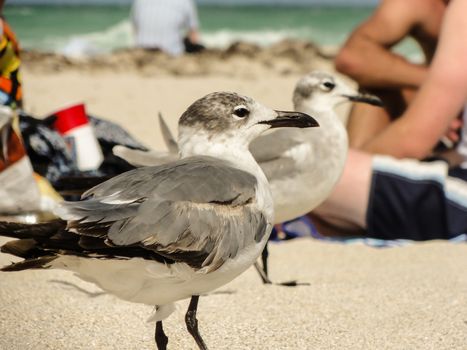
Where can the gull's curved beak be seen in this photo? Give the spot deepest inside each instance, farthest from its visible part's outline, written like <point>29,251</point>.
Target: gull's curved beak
<point>291,119</point>
<point>366,98</point>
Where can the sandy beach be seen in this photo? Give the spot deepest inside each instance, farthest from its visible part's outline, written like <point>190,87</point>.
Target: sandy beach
<point>412,297</point>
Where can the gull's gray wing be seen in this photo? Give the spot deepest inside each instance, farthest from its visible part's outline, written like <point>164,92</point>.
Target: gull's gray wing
<point>274,145</point>
<point>140,158</point>
<point>279,168</point>
<point>274,152</point>
<point>169,139</point>
<point>198,210</point>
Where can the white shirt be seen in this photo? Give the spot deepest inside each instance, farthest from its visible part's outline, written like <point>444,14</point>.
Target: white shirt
<point>163,24</point>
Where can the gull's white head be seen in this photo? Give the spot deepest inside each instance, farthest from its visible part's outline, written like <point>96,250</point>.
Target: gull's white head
<point>229,118</point>
<point>322,91</point>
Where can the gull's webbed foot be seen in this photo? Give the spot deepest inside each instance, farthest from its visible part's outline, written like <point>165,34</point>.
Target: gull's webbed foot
<point>263,272</point>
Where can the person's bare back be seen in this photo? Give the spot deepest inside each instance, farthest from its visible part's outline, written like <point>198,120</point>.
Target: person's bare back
<point>367,57</point>
<point>426,32</point>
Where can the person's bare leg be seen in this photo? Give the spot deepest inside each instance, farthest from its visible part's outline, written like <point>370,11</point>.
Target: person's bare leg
<point>364,123</point>
<point>346,207</point>
<point>328,229</point>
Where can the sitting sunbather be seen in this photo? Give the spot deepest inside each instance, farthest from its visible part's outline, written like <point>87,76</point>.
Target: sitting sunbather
<point>392,198</point>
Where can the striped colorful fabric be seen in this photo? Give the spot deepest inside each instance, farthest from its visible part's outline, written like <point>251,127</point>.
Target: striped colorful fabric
<point>10,79</point>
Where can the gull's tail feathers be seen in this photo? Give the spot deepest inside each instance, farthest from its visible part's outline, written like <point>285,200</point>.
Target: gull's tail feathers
<point>27,245</point>
<point>139,158</point>
<point>167,135</point>
<point>34,231</point>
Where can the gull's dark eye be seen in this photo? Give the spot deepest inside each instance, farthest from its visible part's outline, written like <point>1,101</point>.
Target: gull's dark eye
<point>328,85</point>
<point>241,112</point>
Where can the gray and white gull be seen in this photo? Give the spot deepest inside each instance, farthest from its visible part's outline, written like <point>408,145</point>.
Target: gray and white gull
<point>156,235</point>
<point>302,166</point>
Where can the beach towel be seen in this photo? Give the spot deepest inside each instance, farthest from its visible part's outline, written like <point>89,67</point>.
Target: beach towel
<point>303,227</point>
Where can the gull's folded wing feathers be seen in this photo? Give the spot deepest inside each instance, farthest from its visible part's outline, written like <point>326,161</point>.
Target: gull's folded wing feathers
<point>276,153</point>
<point>196,179</point>
<point>273,145</point>
<point>279,168</point>
<point>198,210</point>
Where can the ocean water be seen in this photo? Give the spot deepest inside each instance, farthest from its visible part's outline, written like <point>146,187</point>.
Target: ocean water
<point>89,30</point>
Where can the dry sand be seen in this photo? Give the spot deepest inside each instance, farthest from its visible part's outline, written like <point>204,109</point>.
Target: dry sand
<point>359,298</point>
<point>413,297</point>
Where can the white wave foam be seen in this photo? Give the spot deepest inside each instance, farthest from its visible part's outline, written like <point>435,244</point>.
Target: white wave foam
<point>223,38</point>
<point>115,37</point>
<point>120,36</point>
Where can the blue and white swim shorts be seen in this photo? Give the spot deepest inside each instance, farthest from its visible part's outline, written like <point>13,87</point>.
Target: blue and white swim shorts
<point>416,200</point>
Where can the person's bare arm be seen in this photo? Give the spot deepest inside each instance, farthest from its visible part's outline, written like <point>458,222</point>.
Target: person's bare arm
<point>193,35</point>
<point>440,99</point>
<point>366,56</point>
<point>193,23</point>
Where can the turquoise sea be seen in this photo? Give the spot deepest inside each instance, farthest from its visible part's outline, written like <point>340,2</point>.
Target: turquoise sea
<point>87,30</point>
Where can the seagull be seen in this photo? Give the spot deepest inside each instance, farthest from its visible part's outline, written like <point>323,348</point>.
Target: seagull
<point>156,235</point>
<point>302,166</point>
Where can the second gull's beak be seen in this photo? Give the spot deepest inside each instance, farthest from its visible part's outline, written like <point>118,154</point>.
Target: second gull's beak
<point>366,98</point>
